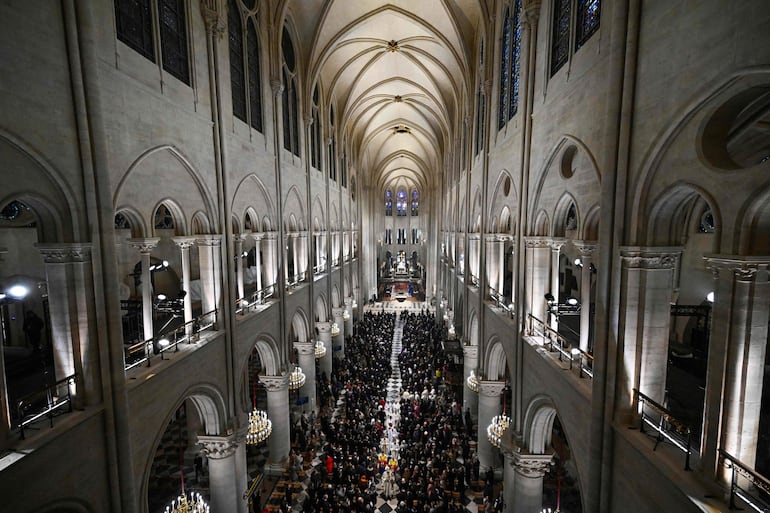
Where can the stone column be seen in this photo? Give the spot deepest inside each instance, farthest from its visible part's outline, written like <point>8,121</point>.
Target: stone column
<point>306,353</point>
<point>238,239</point>
<point>324,251</point>
<point>226,477</point>
<point>556,244</point>
<point>348,316</point>
<point>278,412</point>
<point>647,276</point>
<point>493,263</point>
<point>70,307</point>
<point>145,247</point>
<point>316,252</point>
<point>474,240</point>
<point>736,358</point>
<point>523,480</point>
<point>258,258</point>
<point>271,274</point>
<point>470,362</point>
<point>184,244</point>
<point>210,272</point>
<point>489,406</point>
<point>586,250</point>
<point>325,336</point>
<point>339,339</point>
<point>537,267</point>
<point>303,255</point>
<point>501,240</point>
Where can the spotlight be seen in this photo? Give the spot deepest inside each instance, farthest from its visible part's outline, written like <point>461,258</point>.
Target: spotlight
<point>578,262</point>
<point>710,297</point>
<point>164,342</point>
<point>575,351</point>
<point>571,301</point>
<point>549,297</point>
<point>161,297</point>
<point>18,291</point>
<point>592,268</point>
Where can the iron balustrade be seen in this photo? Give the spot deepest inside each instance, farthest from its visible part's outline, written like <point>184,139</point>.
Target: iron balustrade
<point>145,351</point>
<point>474,280</point>
<point>46,402</point>
<point>556,342</point>
<point>244,305</point>
<point>665,424</point>
<point>499,300</point>
<point>758,481</point>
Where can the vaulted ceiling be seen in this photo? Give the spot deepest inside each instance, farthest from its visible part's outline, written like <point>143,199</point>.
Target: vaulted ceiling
<point>397,73</point>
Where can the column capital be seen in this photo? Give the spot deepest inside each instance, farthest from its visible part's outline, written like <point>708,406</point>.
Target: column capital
<point>257,236</point>
<point>240,237</point>
<point>556,243</point>
<point>184,242</point>
<point>470,351</point>
<point>637,257</point>
<point>144,245</point>
<point>277,86</point>
<point>531,12</point>
<point>275,383</point>
<point>586,248</point>
<point>529,465</point>
<point>504,237</point>
<point>304,347</point>
<point>270,235</point>
<point>323,327</point>
<point>218,447</point>
<point>209,240</point>
<point>474,236</point>
<point>338,311</point>
<point>536,242</point>
<point>491,388</point>
<point>492,237</point>
<point>348,301</point>
<point>744,268</point>
<point>63,253</point>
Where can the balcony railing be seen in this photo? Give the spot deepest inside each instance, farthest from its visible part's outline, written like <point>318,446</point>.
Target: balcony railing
<point>50,402</point>
<point>668,427</point>
<point>295,280</point>
<point>145,351</point>
<point>556,342</point>
<point>244,305</point>
<point>758,485</point>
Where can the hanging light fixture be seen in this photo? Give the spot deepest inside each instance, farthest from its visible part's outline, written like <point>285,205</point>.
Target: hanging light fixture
<point>335,329</point>
<point>473,382</point>
<point>320,350</point>
<point>182,504</point>
<point>297,378</point>
<point>499,425</point>
<point>260,427</point>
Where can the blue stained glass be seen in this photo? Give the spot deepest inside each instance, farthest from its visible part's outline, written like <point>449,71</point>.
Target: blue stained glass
<point>588,16</point>
<point>560,35</point>
<point>504,70</point>
<point>515,73</point>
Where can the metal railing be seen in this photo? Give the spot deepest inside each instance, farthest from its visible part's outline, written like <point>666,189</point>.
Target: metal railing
<point>499,300</point>
<point>157,346</point>
<point>556,342</point>
<point>668,427</point>
<point>759,482</point>
<point>295,280</point>
<point>50,402</point>
<point>257,298</point>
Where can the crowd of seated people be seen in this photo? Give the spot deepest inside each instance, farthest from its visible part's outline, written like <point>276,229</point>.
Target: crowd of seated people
<point>433,460</point>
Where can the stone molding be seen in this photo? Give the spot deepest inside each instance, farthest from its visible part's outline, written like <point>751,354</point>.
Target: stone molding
<point>556,243</point>
<point>586,248</point>
<point>240,237</point>
<point>650,257</point>
<point>530,12</point>
<point>304,347</point>
<point>213,16</point>
<point>744,268</point>
<point>209,240</point>
<point>270,236</point>
<point>257,236</point>
<point>323,327</point>
<point>276,85</point>
<point>145,245</point>
<point>63,253</point>
<point>275,383</point>
<point>491,388</point>
<point>217,447</point>
<point>530,465</point>
<point>470,351</point>
<point>184,242</point>
<point>536,242</point>
<point>338,311</point>
<point>348,301</point>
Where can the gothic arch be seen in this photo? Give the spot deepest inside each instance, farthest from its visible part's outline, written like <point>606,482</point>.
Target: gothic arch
<point>560,228</point>
<point>495,360</point>
<point>538,424</point>
<point>267,348</point>
<point>299,326</point>
<point>473,329</point>
<point>251,191</point>
<point>135,219</point>
<point>321,311</point>
<point>541,224</point>
<point>180,224</point>
<point>754,230</point>
<point>670,213</point>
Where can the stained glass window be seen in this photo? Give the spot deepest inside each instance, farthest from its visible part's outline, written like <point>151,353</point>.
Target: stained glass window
<point>290,104</point>
<point>560,34</point>
<point>588,15</point>
<point>255,77</point>
<point>505,48</point>
<point>515,62</point>
<point>415,202</point>
<point>315,136</point>
<point>133,20</point>
<point>401,203</point>
<point>237,78</point>
<point>388,203</point>
<point>173,38</point>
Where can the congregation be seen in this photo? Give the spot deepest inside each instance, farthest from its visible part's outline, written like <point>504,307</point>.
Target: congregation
<point>417,453</point>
